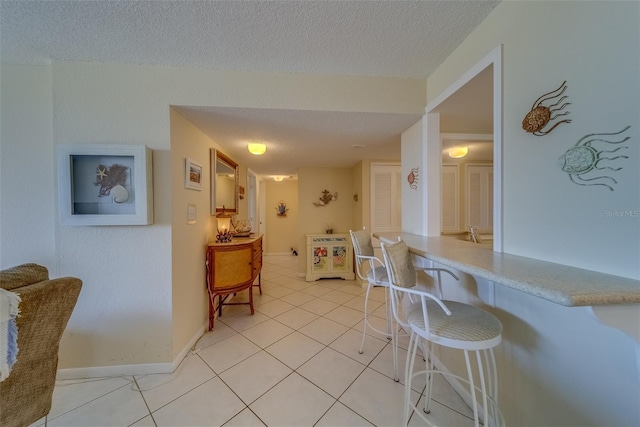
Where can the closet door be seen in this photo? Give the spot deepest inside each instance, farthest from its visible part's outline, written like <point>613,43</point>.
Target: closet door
<point>386,198</point>
<point>450,217</point>
<point>479,197</point>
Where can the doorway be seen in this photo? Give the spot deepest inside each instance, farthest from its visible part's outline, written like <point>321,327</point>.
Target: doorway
<point>252,202</point>
<point>466,101</point>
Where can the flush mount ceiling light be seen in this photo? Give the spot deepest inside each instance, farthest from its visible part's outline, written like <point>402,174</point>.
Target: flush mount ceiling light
<point>458,152</point>
<point>256,148</point>
<point>278,178</point>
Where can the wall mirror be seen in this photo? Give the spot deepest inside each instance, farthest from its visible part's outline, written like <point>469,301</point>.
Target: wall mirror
<point>224,183</point>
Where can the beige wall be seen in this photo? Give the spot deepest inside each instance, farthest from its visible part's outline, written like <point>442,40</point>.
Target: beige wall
<point>281,233</point>
<point>358,206</point>
<point>243,204</point>
<point>189,295</point>
<point>314,219</point>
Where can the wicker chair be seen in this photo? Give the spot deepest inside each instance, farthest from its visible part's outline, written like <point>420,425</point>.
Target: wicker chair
<point>25,395</point>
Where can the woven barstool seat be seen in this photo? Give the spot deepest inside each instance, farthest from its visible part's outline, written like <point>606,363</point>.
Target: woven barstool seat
<point>466,324</point>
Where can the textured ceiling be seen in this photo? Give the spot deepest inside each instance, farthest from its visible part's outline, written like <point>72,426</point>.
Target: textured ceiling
<point>297,138</point>
<point>370,38</point>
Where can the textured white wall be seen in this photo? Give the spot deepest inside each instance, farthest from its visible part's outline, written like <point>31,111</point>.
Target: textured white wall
<point>559,366</point>
<point>546,216</point>
<point>124,314</point>
<point>26,167</point>
<point>413,200</point>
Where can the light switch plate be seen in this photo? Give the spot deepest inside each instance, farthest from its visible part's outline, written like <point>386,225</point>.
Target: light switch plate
<point>191,214</point>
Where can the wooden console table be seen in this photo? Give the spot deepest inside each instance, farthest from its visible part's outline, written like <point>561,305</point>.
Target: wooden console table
<point>232,267</point>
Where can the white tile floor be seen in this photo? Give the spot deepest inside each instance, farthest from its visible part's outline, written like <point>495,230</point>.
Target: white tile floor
<point>294,363</point>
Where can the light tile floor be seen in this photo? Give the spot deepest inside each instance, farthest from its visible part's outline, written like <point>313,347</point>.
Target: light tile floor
<point>295,362</point>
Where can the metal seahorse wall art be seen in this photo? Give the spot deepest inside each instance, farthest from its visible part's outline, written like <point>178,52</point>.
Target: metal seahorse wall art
<point>582,161</point>
<point>545,111</point>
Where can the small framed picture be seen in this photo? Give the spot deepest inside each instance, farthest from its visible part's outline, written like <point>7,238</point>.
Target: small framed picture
<point>193,175</point>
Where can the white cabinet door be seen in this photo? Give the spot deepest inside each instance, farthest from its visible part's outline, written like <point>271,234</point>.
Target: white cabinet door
<point>329,255</point>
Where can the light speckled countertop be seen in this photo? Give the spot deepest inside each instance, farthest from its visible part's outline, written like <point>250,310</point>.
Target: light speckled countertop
<point>557,283</point>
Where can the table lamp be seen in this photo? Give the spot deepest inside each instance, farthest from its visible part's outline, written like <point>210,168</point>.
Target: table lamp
<point>224,227</point>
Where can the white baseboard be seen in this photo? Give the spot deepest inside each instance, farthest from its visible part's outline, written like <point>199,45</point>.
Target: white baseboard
<point>138,369</point>
<point>277,253</point>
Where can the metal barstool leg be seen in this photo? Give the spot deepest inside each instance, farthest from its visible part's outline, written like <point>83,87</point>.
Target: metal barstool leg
<point>472,389</point>
<point>484,388</point>
<point>486,364</point>
<point>408,376</point>
<point>494,382</point>
<point>394,350</point>
<point>394,337</point>
<point>430,373</point>
<point>366,320</point>
<point>387,307</point>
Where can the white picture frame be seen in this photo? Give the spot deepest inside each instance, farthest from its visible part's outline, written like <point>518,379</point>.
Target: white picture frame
<point>104,184</point>
<point>192,174</point>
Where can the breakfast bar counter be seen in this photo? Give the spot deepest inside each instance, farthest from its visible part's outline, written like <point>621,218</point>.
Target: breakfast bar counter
<point>561,284</point>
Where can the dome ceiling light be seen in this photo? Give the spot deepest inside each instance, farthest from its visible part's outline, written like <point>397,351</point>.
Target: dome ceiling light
<point>257,149</point>
<point>458,152</point>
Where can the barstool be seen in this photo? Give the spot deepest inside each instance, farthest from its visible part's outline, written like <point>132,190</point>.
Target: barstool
<point>375,276</point>
<point>448,324</point>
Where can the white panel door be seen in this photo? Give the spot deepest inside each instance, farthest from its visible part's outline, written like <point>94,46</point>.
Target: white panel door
<point>479,197</point>
<point>450,199</point>
<point>386,198</point>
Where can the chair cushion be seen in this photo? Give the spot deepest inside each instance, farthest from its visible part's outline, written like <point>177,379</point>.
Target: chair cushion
<point>466,322</point>
<point>362,242</point>
<point>382,278</point>
<point>402,268</point>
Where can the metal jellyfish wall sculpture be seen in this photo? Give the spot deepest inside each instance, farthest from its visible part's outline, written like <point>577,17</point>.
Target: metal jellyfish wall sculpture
<point>582,160</point>
<point>412,178</point>
<point>544,113</point>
